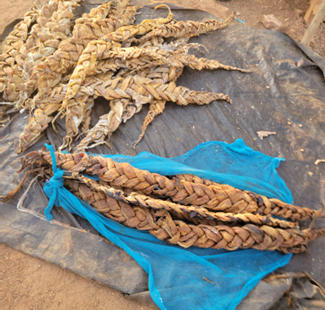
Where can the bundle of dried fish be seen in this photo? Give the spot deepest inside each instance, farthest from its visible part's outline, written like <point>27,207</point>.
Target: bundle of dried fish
<point>108,123</point>
<point>48,105</point>
<point>131,88</point>
<point>161,225</point>
<point>87,28</point>
<point>100,59</point>
<point>14,41</point>
<point>215,197</point>
<point>190,213</point>
<point>80,107</point>
<point>97,50</point>
<point>186,29</point>
<point>43,77</point>
<point>10,71</point>
<point>163,218</point>
<point>42,42</point>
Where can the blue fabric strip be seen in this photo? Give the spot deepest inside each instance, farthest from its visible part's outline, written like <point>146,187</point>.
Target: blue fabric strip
<point>176,275</point>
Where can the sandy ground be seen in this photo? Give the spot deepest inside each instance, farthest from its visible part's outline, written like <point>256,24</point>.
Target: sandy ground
<point>30,283</point>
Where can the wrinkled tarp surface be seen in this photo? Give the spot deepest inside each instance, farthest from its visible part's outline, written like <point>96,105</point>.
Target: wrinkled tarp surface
<point>177,276</point>
<point>286,85</point>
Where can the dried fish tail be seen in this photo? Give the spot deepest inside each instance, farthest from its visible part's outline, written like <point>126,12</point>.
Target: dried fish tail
<point>156,107</point>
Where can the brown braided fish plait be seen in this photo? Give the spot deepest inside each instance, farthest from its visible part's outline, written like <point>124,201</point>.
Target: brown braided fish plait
<point>121,109</point>
<point>223,198</point>
<point>48,73</point>
<point>160,91</point>
<point>51,103</point>
<point>141,90</point>
<point>52,99</point>
<point>14,41</point>
<point>15,51</point>
<point>266,206</point>
<point>185,29</point>
<point>89,27</point>
<point>98,49</point>
<point>182,212</point>
<point>45,41</point>
<point>156,107</point>
<point>140,58</point>
<point>161,225</point>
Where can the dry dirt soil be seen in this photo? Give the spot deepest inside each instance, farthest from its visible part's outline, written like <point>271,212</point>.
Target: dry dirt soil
<point>30,283</point>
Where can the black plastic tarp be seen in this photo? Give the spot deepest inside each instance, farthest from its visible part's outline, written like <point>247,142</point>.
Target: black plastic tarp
<point>285,93</point>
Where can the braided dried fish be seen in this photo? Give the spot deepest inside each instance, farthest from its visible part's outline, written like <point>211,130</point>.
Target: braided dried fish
<point>142,90</point>
<point>96,50</point>
<point>186,29</point>
<point>121,110</point>
<point>161,225</point>
<point>127,32</point>
<point>133,94</point>
<point>266,206</point>
<point>44,42</point>
<point>223,198</point>
<point>48,74</point>
<point>180,95</point>
<point>20,31</point>
<point>159,91</point>
<point>136,59</point>
<point>43,77</point>
<point>187,212</point>
<point>49,36</point>
<point>86,119</point>
<point>81,106</point>
<point>107,123</point>
<point>14,41</point>
<point>51,103</point>
<point>89,57</point>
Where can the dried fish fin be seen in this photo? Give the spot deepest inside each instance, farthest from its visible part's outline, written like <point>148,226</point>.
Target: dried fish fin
<point>156,108</point>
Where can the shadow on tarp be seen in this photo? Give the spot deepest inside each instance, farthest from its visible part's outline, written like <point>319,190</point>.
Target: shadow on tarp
<point>286,85</point>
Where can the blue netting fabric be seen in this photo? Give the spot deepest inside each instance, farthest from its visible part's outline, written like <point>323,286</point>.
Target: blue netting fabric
<point>178,277</point>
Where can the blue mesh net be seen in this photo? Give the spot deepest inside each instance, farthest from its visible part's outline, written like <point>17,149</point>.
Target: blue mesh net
<point>191,278</point>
